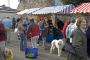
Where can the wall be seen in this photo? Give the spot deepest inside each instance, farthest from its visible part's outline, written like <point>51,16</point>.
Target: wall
<point>11,15</point>
<point>33,4</point>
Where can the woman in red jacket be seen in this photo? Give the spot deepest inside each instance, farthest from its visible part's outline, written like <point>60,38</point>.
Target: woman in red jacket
<point>64,27</point>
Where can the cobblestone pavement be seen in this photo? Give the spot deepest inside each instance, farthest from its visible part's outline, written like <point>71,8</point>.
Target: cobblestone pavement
<point>43,54</point>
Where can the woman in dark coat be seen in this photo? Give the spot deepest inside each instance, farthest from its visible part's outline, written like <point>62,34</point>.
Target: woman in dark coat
<point>79,41</point>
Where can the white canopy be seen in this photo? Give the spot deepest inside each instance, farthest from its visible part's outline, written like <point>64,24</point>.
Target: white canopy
<point>28,11</point>
<point>64,9</point>
<point>55,9</point>
<point>22,12</point>
<point>32,10</point>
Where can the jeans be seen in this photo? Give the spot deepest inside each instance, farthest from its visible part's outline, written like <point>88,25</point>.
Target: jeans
<point>23,41</point>
<point>34,41</point>
<point>44,40</point>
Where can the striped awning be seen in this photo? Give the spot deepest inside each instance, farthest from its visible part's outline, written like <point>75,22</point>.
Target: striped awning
<point>28,11</point>
<point>64,9</point>
<point>83,8</point>
<point>22,12</point>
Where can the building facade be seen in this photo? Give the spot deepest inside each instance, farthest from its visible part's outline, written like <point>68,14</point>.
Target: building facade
<point>24,4</point>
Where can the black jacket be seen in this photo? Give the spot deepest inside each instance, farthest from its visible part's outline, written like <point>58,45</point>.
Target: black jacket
<point>88,41</point>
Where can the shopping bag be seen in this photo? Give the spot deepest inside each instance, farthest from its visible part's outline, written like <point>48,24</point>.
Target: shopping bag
<point>69,48</point>
<point>31,52</point>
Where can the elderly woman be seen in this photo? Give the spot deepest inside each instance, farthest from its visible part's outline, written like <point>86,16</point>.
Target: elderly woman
<point>79,41</point>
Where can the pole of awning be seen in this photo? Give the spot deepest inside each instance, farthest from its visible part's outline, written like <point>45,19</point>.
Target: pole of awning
<point>53,20</point>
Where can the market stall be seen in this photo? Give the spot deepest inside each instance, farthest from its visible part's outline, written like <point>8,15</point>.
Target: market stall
<point>63,9</point>
<point>51,13</point>
<point>82,8</point>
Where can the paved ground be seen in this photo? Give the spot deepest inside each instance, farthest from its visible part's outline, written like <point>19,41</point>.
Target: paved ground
<point>43,54</point>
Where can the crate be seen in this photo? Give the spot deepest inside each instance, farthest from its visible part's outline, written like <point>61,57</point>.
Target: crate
<point>31,52</point>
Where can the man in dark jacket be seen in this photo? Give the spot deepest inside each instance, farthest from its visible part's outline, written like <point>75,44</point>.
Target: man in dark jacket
<point>88,41</point>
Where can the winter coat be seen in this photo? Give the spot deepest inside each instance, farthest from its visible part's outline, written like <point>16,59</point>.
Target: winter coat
<point>7,23</point>
<point>88,33</point>
<point>57,34</point>
<point>33,30</point>
<point>60,25</point>
<point>88,40</point>
<point>79,43</point>
<point>42,28</point>
<point>2,32</point>
<point>70,28</point>
<point>64,28</point>
<point>20,27</point>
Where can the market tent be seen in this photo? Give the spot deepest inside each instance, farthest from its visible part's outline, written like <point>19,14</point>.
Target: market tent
<point>55,9</point>
<point>32,10</point>
<point>28,11</point>
<point>82,8</point>
<point>22,12</point>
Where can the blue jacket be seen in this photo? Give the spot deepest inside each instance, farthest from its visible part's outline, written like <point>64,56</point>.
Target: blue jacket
<point>7,23</point>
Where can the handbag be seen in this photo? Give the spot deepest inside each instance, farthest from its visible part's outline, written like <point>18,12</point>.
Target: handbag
<point>69,48</point>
